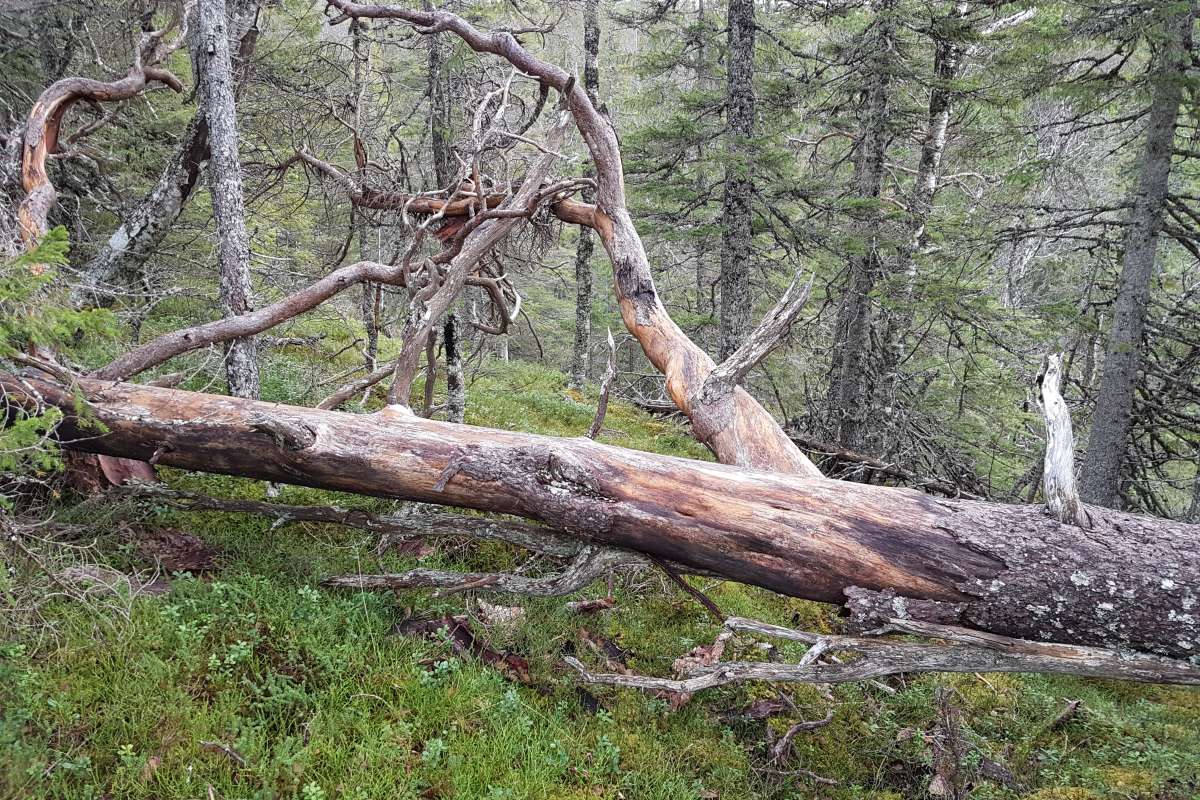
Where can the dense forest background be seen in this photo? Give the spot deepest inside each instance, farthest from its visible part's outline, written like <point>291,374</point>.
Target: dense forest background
<point>960,182</point>
<point>970,186</point>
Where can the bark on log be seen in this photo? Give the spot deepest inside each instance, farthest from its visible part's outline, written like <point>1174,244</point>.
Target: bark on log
<point>1131,582</point>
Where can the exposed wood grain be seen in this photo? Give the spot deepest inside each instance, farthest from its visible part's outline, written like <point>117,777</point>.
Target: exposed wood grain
<point>1130,582</point>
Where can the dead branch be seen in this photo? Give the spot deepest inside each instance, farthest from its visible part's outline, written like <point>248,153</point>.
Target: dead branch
<point>769,334</point>
<point>1058,472</point>
<point>589,564</point>
<point>610,372</point>
<point>738,430</point>
<point>958,650</point>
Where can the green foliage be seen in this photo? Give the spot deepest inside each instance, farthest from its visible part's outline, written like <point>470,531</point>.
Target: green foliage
<point>32,311</point>
<point>35,319</point>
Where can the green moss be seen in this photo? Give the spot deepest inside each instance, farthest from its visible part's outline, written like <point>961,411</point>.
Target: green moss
<point>318,696</point>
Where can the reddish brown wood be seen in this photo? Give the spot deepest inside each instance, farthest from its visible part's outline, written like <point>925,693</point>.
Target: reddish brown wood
<point>41,137</point>
<point>737,429</point>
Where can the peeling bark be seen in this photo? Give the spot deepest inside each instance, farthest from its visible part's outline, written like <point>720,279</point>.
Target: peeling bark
<point>1131,582</point>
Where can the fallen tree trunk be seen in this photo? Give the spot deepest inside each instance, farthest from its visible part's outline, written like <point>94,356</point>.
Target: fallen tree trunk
<point>1131,582</point>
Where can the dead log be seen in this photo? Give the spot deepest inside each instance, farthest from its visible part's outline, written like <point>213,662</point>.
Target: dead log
<point>1131,582</point>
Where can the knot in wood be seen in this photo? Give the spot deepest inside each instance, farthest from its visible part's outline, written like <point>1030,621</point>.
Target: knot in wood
<point>286,434</point>
<point>564,476</point>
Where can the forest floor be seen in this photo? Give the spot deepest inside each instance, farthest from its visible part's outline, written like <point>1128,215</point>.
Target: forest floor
<point>244,679</point>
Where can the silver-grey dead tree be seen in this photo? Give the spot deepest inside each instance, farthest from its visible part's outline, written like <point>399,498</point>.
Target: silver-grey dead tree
<point>225,183</point>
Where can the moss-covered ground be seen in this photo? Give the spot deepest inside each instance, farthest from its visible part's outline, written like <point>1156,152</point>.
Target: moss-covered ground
<point>318,698</point>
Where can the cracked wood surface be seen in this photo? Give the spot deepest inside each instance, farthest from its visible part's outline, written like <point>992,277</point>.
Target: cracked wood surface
<point>1130,582</point>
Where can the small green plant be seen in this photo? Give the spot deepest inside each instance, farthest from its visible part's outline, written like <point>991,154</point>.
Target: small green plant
<point>434,751</point>
<point>35,322</point>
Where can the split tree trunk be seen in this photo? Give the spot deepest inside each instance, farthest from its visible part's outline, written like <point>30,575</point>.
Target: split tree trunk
<point>737,236</point>
<point>1109,438</point>
<point>225,183</point>
<point>1131,582</point>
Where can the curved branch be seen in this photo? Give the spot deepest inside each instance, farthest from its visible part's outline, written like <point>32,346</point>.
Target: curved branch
<point>738,430</point>
<point>42,132</point>
<point>175,343</point>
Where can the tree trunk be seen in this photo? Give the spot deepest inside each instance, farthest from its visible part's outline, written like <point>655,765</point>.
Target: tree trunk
<point>225,184</point>
<point>849,399</point>
<point>1109,438</point>
<point>138,236</point>
<point>947,64</point>
<point>583,249</point>
<point>1131,582</point>
<point>440,139</point>
<point>737,236</point>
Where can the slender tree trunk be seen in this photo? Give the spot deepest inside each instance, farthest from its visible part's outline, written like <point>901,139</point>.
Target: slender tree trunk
<point>947,64</point>
<point>849,403</point>
<point>440,139</point>
<point>884,552</point>
<point>737,237</point>
<point>583,248</point>
<point>368,305</point>
<point>1109,438</point>
<point>225,184</point>
<point>138,237</point>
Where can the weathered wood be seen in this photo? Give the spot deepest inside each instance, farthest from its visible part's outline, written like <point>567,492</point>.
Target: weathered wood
<point>45,122</point>
<point>1131,582</point>
<point>739,430</point>
<point>1058,469</point>
<point>956,650</point>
